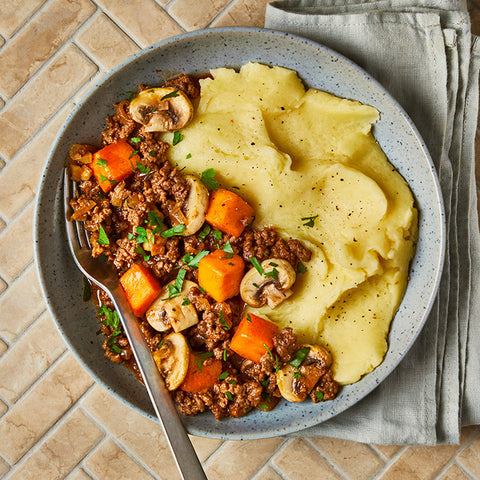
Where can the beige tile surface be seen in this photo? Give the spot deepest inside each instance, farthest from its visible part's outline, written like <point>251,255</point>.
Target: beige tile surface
<point>39,40</point>
<point>54,422</point>
<point>106,43</point>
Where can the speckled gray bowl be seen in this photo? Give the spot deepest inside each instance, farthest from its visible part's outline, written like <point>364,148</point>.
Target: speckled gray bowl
<point>198,52</point>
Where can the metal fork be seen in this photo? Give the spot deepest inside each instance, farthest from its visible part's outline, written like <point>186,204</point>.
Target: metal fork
<point>102,273</point>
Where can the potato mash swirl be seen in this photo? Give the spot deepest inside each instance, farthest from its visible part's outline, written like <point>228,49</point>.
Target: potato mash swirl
<point>308,163</point>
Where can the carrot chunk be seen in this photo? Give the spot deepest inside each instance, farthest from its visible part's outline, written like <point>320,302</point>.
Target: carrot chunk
<point>113,163</point>
<point>201,376</point>
<point>228,212</point>
<point>141,288</point>
<point>220,274</point>
<point>253,337</point>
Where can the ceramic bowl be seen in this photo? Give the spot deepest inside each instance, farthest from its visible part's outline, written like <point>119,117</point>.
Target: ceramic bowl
<point>198,52</point>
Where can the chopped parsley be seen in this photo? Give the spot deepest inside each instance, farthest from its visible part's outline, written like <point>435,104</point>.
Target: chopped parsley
<point>273,273</point>
<point>200,358</point>
<point>227,248</point>
<point>249,318</point>
<point>131,94</point>
<point>310,221</point>
<point>301,268</point>
<point>170,95</point>
<point>297,374</point>
<point>135,139</point>
<point>299,357</point>
<point>208,178</point>
<point>174,289</point>
<point>223,375</point>
<point>223,321</point>
<point>177,137</point>
<point>319,395</point>
<point>204,232</point>
<point>229,396</point>
<point>103,178</point>
<point>189,155</point>
<point>102,236</point>
<point>101,162</point>
<point>143,168</point>
<point>133,154</point>
<point>155,221</point>
<point>193,261</point>
<point>141,235</point>
<point>256,264</point>
<point>171,232</point>
<point>186,301</point>
<point>140,250</point>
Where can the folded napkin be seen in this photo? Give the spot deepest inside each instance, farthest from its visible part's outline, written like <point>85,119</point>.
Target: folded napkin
<point>423,53</point>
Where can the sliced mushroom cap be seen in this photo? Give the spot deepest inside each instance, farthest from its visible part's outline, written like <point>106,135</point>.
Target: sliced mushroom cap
<point>172,360</point>
<point>193,211</point>
<point>161,109</point>
<point>176,312</point>
<point>271,287</point>
<point>295,383</point>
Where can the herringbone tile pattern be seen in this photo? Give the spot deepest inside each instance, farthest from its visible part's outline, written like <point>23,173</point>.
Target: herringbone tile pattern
<point>55,422</point>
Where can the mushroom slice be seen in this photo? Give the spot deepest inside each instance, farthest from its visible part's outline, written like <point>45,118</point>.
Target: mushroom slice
<point>176,312</point>
<point>271,287</point>
<point>161,109</point>
<point>295,383</point>
<point>172,359</point>
<point>195,206</point>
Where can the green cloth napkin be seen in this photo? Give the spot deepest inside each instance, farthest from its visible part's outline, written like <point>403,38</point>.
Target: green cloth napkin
<point>423,53</point>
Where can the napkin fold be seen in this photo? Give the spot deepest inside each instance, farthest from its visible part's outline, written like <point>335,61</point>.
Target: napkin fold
<point>423,53</point>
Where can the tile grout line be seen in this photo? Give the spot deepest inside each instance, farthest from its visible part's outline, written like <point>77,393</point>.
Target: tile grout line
<point>269,463</point>
<point>48,60</point>
<point>40,441</point>
<point>42,69</point>
<point>131,34</point>
<point>33,15</point>
<point>22,333</point>
<point>329,462</point>
<point>453,460</point>
<point>388,464</point>
<point>101,10</point>
<point>115,439</point>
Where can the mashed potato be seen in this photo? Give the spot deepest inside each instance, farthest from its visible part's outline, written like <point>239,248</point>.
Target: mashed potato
<point>308,164</point>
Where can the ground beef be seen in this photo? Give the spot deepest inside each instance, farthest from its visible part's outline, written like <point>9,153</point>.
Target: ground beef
<point>285,344</point>
<point>186,83</point>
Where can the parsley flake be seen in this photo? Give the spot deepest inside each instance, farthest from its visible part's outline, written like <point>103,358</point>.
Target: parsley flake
<point>208,178</point>
<point>310,221</point>
<point>135,139</point>
<point>102,236</point>
<point>204,232</point>
<point>143,168</point>
<point>171,232</point>
<point>301,268</point>
<point>223,375</point>
<point>299,357</point>
<point>254,261</point>
<point>319,395</point>
<point>170,95</point>
<point>177,137</point>
<point>101,162</point>
<point>223,321</point>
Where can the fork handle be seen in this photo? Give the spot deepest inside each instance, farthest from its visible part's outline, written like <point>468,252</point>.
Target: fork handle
<point>182,449</point>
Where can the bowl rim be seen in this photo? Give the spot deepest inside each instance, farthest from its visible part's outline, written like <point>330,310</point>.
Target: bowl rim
<point>275,33</point>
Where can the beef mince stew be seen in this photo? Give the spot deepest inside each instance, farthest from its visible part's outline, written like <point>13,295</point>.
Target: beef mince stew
<point>192,265</point>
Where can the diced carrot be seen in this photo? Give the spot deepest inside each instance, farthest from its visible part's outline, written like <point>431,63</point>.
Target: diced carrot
<point>253,337</point>
<point>141,288</point>
<point>201,376</point>
<point>228,212</point>
<point>114,163</point>
<point>220,274</point>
